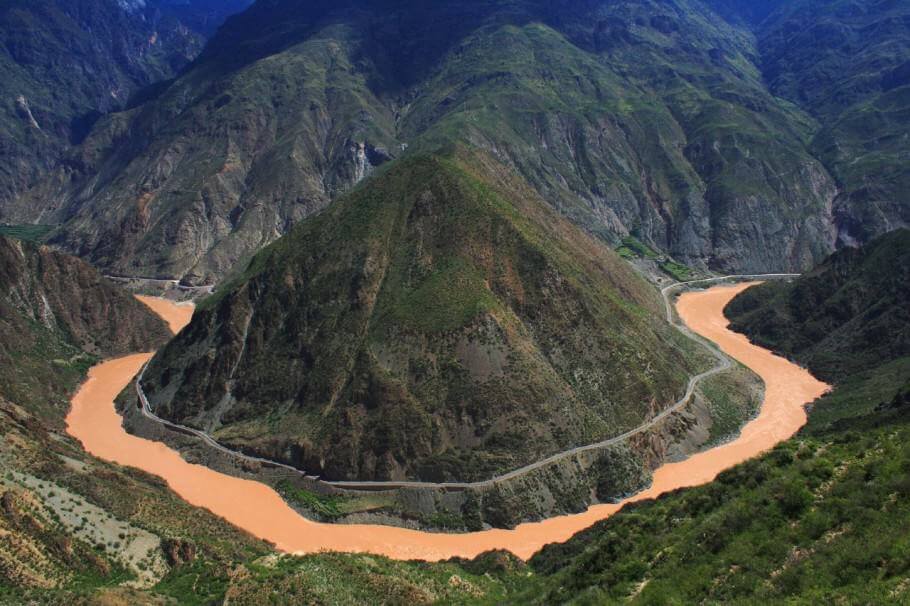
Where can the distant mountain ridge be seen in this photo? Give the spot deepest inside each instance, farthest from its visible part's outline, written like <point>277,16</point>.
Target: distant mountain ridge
<point>756,141</point>
<point>64,64</point>
<point>638,116</point>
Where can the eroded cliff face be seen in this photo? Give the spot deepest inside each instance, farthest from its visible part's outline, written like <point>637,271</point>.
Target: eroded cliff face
<point>65,64</point>
<point>57,317</point>
<point>634,117</point>
<point>65,295</point>
<point>847,64</point>
<point>212,172</point>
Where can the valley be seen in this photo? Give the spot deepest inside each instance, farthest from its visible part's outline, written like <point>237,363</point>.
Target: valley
<point>397,302</point>
<point>259,510</point>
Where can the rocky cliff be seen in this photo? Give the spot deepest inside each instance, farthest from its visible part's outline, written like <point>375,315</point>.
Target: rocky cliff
<point>847,63</point>
<point>65,64</point>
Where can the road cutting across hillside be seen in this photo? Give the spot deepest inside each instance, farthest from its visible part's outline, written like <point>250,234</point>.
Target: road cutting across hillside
<point>258,509</point>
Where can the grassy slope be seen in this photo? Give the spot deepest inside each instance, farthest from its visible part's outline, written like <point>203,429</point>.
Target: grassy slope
<point>450,290</point>
<point>821,518</point>
<point>29,233</point>
<point>54,325</point>
<point>848,315</point>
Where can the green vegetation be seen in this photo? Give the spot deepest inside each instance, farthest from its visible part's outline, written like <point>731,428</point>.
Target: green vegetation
<point>448,298</point>
<point>443,301</point>
<point>330,507</point>
<point>46,343</point>
<point>848,315</point>
<point>632,248</point>
<point>424,326</point>
<point>819,519</point>
<point>29,233</point>
<point>822,518</point>
<point>365,579</point>
<point>64,66</point>
<point>196,584</point>
<point>677,271</point>
<point>621,118</point>
<point>325,506</point>
<point>733,398</point>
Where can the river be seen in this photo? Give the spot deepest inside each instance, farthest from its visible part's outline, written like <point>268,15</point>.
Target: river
<point>258,509</point>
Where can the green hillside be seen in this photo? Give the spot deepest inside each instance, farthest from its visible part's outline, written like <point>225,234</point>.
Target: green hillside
<point>821,518</point>
<point>441,323</point>
<point>848,315</point>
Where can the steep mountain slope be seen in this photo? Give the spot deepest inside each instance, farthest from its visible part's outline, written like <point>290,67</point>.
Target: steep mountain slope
<point>847,62</point>
<point>441,322</point>
<point>822,518</point>
<point>848,315</point>
<point>639,116</point>
<point>64,64</point>
<point>74,529</point>
<point>58,317</point>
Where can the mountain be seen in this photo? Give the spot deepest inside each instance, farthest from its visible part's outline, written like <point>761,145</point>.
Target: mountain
<point>846,316</point>
<point>821,518</point>
<point>647,117</point>
<point>847,63</point>
<point>64,64</point>
<point>441,322</point>
<point>73,528</point>
<point>59,317</point>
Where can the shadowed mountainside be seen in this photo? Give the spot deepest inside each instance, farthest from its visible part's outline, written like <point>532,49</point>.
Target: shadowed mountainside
<point>848,315</point>
<point>640,116</point>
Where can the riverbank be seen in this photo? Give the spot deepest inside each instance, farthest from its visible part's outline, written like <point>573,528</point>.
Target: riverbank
<point>261,511</point>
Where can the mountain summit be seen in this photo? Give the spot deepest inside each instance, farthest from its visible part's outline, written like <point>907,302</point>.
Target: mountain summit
<point>439,323</point>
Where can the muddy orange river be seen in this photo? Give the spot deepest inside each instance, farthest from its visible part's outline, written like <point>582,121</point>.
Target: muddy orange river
<point>259,510</point>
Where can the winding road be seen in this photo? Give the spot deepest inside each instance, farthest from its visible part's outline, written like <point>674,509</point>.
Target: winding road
<point>258,509</point>
<point>723,363</point>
